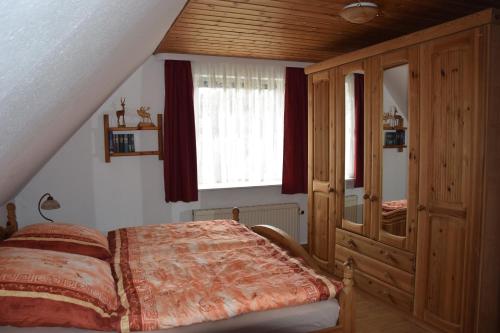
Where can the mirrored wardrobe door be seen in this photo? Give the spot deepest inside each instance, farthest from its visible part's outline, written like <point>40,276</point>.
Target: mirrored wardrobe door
<point>353,111</point>
<point>396,117</point>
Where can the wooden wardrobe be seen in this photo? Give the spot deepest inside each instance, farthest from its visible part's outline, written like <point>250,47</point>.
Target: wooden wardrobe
<point>404,171</point>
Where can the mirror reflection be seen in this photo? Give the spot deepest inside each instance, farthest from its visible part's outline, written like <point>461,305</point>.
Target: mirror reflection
<point>395,152</point>
<point>354,147</point>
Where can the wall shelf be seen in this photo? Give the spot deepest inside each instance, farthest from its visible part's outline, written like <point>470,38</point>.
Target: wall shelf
<point>398,147</point>
<point>394,128</point>
<point>108,130</point>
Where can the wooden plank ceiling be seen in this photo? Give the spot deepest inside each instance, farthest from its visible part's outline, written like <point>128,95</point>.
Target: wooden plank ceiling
<point>302,30</point>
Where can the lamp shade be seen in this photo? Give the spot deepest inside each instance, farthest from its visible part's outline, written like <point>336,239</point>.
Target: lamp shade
<point>49,204</point>
<point>360,12</point>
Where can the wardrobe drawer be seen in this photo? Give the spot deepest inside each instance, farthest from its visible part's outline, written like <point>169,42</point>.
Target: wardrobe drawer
<point>389,274</point>
<point>387,254</point>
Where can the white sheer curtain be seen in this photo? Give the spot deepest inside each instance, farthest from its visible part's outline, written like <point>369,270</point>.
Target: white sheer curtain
<point>349,127</point>
<point>239,123</point>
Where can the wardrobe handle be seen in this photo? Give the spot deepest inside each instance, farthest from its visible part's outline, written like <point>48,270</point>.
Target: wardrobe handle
<point>390,257</point>
<point>388,276</point>
<point>351,243</point>
<point>373,198</point>
<point>366,196</point>
<point>420,208</point>
<point>388,295</point>
<point>349,262</point>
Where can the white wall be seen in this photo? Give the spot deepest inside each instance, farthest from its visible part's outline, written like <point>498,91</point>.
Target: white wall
<point>129,190</point>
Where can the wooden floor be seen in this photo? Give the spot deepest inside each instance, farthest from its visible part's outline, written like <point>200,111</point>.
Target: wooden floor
<point>374,316</point>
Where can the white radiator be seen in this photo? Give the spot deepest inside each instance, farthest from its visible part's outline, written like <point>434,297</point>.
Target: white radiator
<point>283,216</point>
<point>351,208</point>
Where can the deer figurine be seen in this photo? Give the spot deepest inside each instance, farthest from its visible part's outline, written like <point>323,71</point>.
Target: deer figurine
<point>121,113</point>
<point>145,117</point>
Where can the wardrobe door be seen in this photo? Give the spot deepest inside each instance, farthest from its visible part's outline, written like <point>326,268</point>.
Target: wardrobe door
<point>448,106</point>
<point>395,142</point>
<point>353,155</point>
<point>321,193</point>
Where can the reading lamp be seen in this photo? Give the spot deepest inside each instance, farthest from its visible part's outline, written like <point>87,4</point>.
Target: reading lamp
<point>49,204</point>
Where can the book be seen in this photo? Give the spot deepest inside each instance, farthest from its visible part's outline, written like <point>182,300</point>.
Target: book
<point>125,143</point>
<point>111,142</point>
<point>121,149</point>
<point>116,147</point>
<point>131,143</point>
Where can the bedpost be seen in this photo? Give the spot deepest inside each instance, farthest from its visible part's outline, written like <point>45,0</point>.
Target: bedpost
<point>11,225</point>
<point>347,315</point>
<point>11,219</point>
<point>236,214</point>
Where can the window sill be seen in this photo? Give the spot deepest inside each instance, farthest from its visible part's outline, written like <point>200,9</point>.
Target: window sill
<point>234,186</point>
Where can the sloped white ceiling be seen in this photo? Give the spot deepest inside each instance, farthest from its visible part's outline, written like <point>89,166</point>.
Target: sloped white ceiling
<point>396,82</point>
<point>59,60</point>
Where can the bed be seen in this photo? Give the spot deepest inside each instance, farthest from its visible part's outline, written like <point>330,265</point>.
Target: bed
<point>394,217</point>
<point>162,270</point>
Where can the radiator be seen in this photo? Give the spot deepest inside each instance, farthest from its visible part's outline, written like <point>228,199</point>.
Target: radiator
<point>283,216</point>
<point>351,208</point>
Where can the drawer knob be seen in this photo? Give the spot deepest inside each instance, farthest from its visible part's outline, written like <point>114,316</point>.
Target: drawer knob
<point>389,277</point>
<point>390,257</point>
<point>388,295</point>
<point>420,208</point>
<point>373,198</point>
<point>351,243</point>
<point>331,189</point>
<point>366,196</point>
<point>349,262</point>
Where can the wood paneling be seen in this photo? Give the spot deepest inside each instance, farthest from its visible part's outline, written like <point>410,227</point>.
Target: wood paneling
<point>305,30</point>
<point>321,231</point>
<point>447,86</point>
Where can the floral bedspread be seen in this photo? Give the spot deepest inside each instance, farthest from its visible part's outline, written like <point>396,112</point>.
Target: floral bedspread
<point>180,274</point>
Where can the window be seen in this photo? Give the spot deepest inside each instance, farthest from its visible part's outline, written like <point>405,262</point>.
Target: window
<point>239,124</point>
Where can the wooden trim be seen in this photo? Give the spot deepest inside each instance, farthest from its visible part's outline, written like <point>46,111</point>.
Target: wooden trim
<point>159,119</point>
<point>107,157</point>
<point>136,153</point>
<point>282,239</point>
<point>11,225</point>
<point>488,304</point>
<point>310,160</point>
<point>236,214</point>
<point>353,227</point>
<point>393,240</point>
<point>471,21</point>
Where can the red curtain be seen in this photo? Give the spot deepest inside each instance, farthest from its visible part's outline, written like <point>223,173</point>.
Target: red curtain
<point>179,164</point>
<point>295,136</point>
<point>359,128</point>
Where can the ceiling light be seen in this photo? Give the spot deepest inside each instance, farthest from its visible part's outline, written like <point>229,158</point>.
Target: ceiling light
<point>359,12</point>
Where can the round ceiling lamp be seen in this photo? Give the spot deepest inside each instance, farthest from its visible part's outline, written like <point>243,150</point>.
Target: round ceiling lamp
<point>359,12</point>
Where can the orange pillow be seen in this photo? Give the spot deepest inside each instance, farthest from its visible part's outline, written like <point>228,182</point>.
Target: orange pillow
<point>61,237</point>
<point>48,288</point>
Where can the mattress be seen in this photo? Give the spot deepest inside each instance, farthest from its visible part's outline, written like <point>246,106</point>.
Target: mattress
<point>295,319</point>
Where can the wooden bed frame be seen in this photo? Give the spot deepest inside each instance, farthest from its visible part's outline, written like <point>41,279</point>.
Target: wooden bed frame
<point>11,225</point>
<point>345,297</point>
<point>278,237</point>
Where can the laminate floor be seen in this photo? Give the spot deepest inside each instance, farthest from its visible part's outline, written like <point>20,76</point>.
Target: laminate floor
<point>374,316</point>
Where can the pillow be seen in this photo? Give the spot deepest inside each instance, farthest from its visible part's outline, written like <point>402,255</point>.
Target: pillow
<point>48,288</point>
<point>61,237</point>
